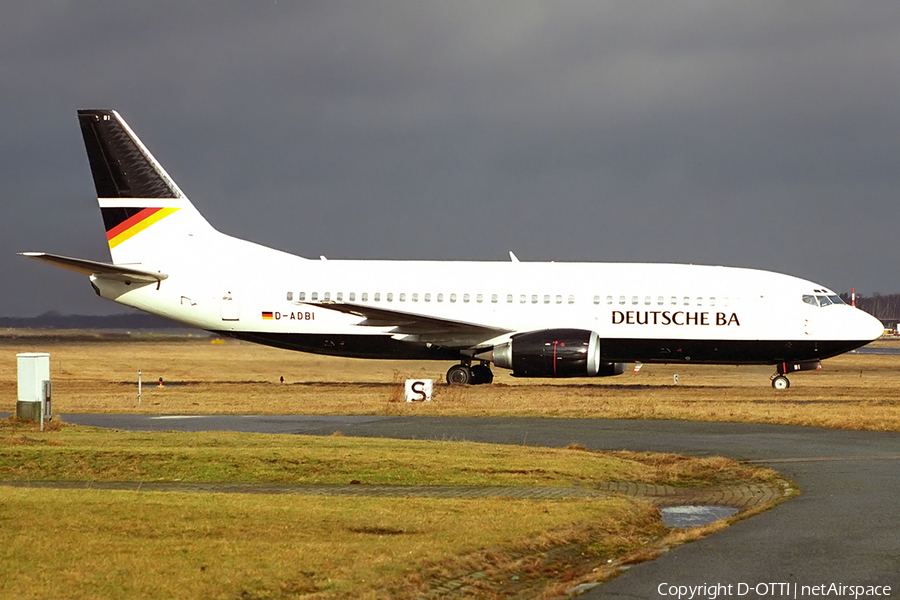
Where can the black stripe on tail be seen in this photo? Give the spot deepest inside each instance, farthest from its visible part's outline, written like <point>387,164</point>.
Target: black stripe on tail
<point>113,217</point>
<point>120,166</point>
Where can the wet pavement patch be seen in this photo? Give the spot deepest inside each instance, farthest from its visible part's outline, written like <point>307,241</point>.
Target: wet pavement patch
<point>694,516</point>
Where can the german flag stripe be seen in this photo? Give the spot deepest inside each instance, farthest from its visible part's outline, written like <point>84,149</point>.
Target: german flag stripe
<point>115,215</point>
<point>267,315</point>
<point>136,224</point>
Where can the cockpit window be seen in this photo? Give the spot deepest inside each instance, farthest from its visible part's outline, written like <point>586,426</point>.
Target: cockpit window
<point>822,300</point>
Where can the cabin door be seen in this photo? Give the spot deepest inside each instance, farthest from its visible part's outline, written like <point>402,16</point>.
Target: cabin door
<point>230,305</point>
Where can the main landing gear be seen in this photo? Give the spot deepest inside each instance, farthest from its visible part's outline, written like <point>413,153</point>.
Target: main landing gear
<point>466,374</point>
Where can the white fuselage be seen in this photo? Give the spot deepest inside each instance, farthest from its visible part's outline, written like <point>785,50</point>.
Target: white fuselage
<point>243,288</point>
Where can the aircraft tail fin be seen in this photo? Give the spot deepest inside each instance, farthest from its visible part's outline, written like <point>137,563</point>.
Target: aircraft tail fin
<point>146,216</point>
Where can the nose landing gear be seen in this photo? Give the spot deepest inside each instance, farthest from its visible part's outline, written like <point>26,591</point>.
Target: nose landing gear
<point>780,382</point>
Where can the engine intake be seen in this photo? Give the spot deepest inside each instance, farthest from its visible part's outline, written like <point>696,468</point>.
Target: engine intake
<point>555,353</point>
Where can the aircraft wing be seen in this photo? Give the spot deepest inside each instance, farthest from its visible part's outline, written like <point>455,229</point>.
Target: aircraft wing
<point>412,326</point>
<point>98,269</point>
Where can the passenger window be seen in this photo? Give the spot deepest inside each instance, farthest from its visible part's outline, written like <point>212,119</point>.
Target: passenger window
<point>494,298</point>
<point>452,297</point>
<point>687,301</point>
<point>390,297</point>
<point>571,299</point>
<point>534,298</point>
<point>621,299</point>
<point>609,300</point>
<point>465,297</point>
<point>301,296</point>
<point>427,297</point>
<point>290,296</point>
<point>724,300</point>
<point>414,297</point>
<point>352,297</point>
<point>326,297</point>
<point>597,299</point>
<point>339,296</point>
<point>558,299</point>
<point>673,300</point>
<point>661,300</point>
<point>402,296</point>
<point>522,299</point>
<point>479,298</point>
<point>634,300</point>
<point>712,301</point>
<point>509,298</point>
<point>314,296</point>
<point>377,297</point>
<point>440,297</point>
<point>699,301</point>
<point>646,300</point>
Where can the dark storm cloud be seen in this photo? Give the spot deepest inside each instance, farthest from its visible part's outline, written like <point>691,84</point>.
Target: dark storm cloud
<point>759,134</point>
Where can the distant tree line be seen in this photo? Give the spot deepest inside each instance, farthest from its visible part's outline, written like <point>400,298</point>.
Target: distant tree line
<point>885,307</point>
<point>54,320</point>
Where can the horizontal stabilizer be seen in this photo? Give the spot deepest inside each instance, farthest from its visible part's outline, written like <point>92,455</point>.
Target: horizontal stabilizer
<point>98,269</point>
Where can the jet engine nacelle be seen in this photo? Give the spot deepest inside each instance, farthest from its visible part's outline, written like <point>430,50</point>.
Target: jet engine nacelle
<point>555,353</point>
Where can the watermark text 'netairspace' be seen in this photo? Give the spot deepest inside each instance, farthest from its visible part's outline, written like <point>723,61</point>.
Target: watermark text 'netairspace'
<point>711,591</point>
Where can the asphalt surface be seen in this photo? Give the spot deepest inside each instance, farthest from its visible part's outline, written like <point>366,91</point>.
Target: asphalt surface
<point>843,529</point>
<point>889,351</point>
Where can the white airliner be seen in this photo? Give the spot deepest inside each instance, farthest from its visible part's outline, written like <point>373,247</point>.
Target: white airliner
<point>537,319</point>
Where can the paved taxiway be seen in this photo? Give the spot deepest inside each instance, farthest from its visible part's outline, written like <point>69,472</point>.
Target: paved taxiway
<point>843,529</point>
<point>884,350</point>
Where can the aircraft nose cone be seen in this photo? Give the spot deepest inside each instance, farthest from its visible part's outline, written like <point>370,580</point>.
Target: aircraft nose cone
<point>871,327</point>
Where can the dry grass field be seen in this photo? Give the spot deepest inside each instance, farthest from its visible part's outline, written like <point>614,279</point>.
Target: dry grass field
<point>204,376</point>
<point>243,546</point>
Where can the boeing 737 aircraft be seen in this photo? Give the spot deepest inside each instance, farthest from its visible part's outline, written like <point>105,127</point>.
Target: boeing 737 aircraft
<point>537,319</point>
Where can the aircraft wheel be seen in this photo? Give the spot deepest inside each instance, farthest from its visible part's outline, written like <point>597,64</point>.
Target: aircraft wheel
<point>780,382</point>
<point>482,374</point>
<point>459,375</point>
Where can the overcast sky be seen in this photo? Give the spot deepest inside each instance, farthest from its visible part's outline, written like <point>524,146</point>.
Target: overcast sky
<point>758,134</point>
